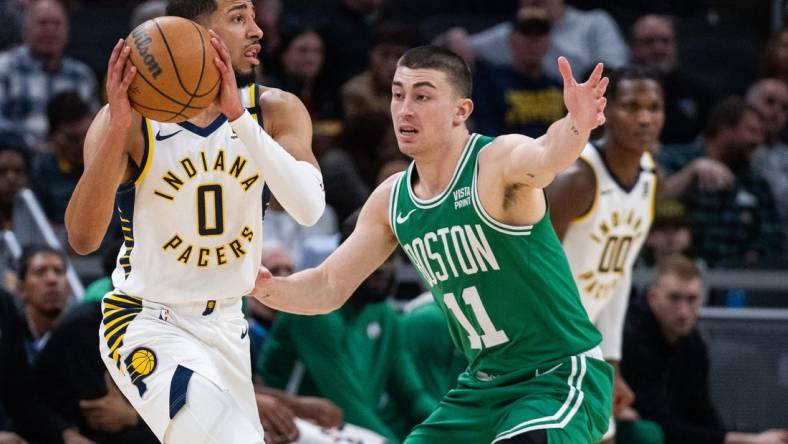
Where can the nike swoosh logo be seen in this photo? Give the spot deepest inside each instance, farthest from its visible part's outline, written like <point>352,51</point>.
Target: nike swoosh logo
<point>401,219</point>
<point>549,371</point>
<point>159,137</point>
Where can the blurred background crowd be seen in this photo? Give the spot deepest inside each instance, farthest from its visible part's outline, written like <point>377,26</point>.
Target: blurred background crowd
<point>723,65</point>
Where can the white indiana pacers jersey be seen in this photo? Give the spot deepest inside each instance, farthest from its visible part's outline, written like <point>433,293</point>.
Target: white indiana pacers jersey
<point>602,244</point>
<point>192,220</point>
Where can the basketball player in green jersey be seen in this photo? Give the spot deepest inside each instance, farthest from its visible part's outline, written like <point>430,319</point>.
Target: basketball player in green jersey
<point>471,214</point>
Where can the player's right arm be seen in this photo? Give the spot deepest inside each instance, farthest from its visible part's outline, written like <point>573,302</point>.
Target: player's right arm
<point>571,195</point>
<point>108,145</point>
<point>325,288</point>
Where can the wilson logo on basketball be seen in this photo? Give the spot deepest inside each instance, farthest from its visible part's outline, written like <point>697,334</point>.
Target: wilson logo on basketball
<point>142,41</point>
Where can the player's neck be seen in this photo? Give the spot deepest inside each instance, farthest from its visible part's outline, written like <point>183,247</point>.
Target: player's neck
<point>206,117</point>
<point>623,163</point>
<point>436,166</point>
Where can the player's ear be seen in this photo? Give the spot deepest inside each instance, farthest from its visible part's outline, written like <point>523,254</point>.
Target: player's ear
<point>463,111</point>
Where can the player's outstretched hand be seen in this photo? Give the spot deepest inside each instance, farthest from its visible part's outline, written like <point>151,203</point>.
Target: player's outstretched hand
<point>584,101</point>
<point>228,100</point>
<point>119,77</point>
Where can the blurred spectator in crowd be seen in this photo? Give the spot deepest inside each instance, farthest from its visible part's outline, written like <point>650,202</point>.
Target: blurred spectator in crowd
<point>31,74</point>
<point>44,291</point>
<point>371,90</point>
<point>349,171</point>
<point>281,227</point>
<point>73,380</point>
<point>734,218</point>
<point>10,25</point>
<point>147,10</point>
<point>21,410</point>
<point>267,15</point>
<point>55,173</point>
<point>519,98</point>
<point>653,43</point>
<point>667,365</point>
<point>626,13</point>
<point>457,40</point>
<point>583,37</point>
<point>390,168</point>
<point>279,262</point>
<point>14,168</point>
<point>775,56</point>
<point>770,98</point>
<point>347,33</point>
<point>324,355</point>
<point>671,233</point>
<point>298,68</point>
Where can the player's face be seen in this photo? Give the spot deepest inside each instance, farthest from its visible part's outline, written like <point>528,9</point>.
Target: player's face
<point>676,303</point>
<point>234,22</point>
<point>45,287</point>
<point>424,109</point>
<point>635,114</point>
<point>13,176</point>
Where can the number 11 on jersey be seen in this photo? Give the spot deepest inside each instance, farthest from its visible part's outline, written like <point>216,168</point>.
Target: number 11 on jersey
<point>491,336</point>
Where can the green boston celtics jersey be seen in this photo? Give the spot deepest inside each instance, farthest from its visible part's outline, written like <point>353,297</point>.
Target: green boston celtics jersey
<point>507,291</point>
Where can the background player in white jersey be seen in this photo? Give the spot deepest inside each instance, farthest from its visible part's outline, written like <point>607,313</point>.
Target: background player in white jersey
<point>189,196</point>
<point>602,208</point>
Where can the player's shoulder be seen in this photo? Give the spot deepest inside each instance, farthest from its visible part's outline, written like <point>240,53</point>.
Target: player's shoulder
<point>277,99</point>
<point>377,205</point>
<point>383,191</point>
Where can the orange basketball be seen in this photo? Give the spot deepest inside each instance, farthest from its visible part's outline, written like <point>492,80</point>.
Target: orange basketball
<point>176,75</point>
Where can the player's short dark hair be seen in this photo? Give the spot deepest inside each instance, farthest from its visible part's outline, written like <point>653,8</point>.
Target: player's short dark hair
<point>677,265</point>
<point>629,72</point>
<point>443,60</point>
<point>191,9</point>
<point>31,251</point>
<point>727,113</point>
<point>66,107</point>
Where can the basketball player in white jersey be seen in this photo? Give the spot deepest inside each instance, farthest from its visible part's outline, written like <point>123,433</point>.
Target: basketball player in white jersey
<point>189,198</point>
<point>603,205</point>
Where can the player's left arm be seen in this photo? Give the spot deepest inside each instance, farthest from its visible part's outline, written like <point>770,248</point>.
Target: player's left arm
<point>535,162</point>
<point>285,155</point>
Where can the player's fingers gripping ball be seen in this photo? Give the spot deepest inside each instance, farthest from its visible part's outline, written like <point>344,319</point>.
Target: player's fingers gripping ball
<point>176,75</point>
